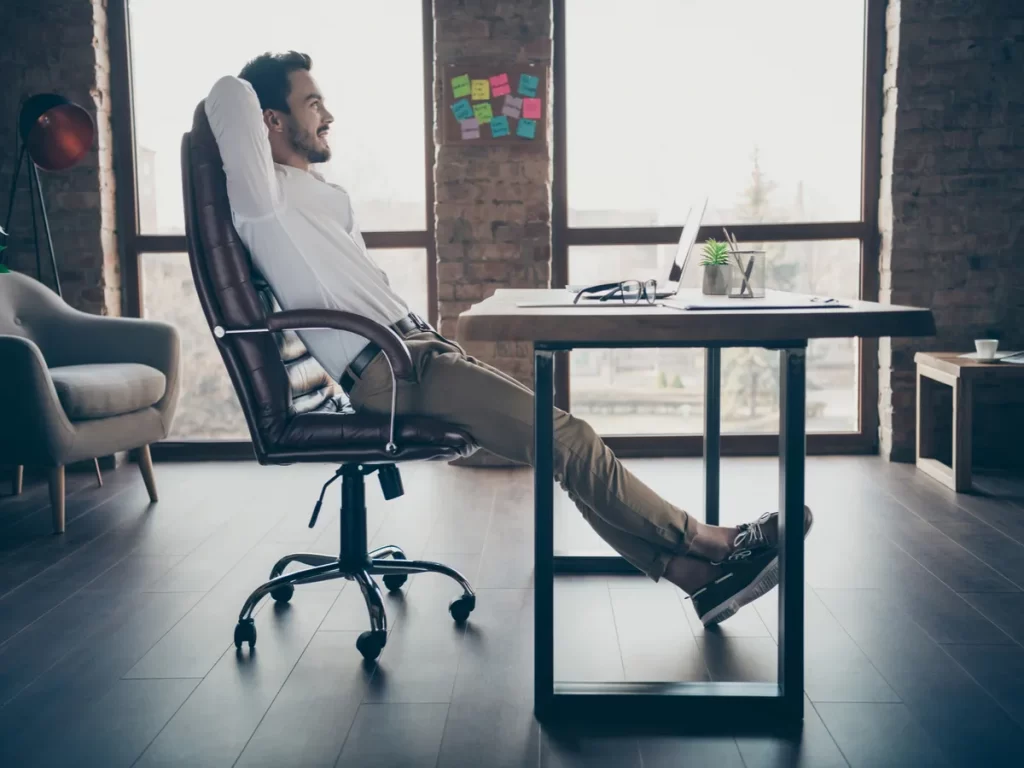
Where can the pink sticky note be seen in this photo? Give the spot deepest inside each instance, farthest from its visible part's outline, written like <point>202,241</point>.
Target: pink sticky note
<point>499,85</point>
<point>531,109</point>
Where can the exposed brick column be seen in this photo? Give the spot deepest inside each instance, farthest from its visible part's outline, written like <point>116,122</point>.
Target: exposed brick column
<point>951,194</point>
<point>61,46</point>
<point>493,209</point>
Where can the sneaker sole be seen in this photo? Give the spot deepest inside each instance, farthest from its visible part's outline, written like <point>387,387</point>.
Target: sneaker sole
<point>766,580</point>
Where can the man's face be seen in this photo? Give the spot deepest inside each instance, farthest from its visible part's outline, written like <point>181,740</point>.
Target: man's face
<point>307,125</point>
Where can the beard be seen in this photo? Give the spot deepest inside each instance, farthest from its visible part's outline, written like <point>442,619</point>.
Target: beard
<point>306,143</point>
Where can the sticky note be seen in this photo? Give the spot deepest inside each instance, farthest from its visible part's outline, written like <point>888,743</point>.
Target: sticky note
<point>482,112</point>
<point>460,86</point>
<point>528,85</point>
<point>499,85</point>
<point>473,134</point>
<point>481,90</point>
<point>512,106</point>
<point>531,108</point>
<point>470,124</point>
<point>499,127</point>
<point>462,109</point>
<point>527,129</point>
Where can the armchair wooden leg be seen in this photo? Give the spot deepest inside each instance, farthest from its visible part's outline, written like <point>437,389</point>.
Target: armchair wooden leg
<point>99,475</point>
<point>57,498</point>
<point>146,467</point>
<point>19,478</point>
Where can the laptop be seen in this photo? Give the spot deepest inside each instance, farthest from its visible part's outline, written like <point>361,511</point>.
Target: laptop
<point>687,239</point>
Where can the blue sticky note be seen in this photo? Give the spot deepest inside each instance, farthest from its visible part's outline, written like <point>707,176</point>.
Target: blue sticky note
<point>528,85</point>
<point>499,126</point>
<point>527,129</point>
<point>462,109</point>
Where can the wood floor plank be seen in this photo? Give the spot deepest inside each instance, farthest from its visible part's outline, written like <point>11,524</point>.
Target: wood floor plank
<point>586,642</point>
<point>879,735</point>
<point>671,752</point>
<point>813,747</point>
<point>957,713</point>
<point>654,636</point>
<point>835,669</point>
<point>216,722</point>
<point>118,727</point>
<point>496,663</point>
<point>593,752</point>
<point>1006,611</point>
<point>497,734</point>
<point>999,669</point>
<point>66,689</point>
<point>392,735</point>
<point>309,720</point>
<point>506,561</point>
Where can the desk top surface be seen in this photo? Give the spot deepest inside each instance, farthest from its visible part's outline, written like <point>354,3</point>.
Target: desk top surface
<point>498,318</point>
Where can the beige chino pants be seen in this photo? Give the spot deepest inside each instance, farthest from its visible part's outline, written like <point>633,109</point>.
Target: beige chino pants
<point>497,411</point>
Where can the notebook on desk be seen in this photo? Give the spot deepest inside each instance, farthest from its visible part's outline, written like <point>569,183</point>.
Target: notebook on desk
<point>694,301</point>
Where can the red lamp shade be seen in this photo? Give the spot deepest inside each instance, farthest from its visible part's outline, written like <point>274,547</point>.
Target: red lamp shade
<point>57,132</point>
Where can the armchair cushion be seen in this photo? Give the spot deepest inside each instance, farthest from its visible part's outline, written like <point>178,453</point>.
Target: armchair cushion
<point>101,390</point>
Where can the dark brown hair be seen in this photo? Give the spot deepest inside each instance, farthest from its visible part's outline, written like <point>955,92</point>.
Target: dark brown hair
<point>268,74</point>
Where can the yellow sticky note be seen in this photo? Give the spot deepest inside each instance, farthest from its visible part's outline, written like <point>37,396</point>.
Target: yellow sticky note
<point>481,90</point>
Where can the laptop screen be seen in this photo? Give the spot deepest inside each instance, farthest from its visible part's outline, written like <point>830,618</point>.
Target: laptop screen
<point>687,240</point>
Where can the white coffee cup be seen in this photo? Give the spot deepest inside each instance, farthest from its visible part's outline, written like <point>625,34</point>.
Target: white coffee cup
<point>986,348</point>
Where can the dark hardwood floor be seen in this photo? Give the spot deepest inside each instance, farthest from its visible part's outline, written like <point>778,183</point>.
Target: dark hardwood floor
<point>116,637</point>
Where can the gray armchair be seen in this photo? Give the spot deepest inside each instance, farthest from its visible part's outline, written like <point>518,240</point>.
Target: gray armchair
<point>74,386</point>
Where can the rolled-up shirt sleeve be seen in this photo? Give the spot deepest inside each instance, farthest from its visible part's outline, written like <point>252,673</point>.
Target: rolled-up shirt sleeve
<point>233,109</point>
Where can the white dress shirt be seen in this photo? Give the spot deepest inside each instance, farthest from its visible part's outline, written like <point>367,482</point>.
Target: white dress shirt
<point>299,229</point>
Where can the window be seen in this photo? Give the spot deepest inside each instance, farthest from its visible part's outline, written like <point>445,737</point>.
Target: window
<point>768,109</point>
<point>374,64</point>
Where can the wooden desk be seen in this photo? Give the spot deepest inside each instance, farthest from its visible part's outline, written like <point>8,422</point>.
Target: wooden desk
<point>960,374</point>
<point>688,706</point>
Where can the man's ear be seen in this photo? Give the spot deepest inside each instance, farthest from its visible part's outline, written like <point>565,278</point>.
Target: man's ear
<point>273,120</point>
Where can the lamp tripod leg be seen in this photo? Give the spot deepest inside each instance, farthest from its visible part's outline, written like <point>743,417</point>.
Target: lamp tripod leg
<point>46,225</point>
<point>11,196</point>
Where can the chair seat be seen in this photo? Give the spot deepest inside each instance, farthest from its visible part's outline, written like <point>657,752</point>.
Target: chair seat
<point>362,437</point>
<point>101,390</point>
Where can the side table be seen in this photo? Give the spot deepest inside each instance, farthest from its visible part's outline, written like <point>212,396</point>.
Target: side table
<point>959,373</point>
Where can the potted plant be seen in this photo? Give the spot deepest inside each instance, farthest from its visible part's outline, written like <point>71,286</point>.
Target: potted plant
<point>716,268</point>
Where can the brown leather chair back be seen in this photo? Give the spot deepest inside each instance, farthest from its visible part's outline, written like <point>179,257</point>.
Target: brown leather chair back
<point>273,374</point>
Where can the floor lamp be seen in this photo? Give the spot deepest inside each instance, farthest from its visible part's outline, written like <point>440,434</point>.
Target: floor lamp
<point>55,134</point>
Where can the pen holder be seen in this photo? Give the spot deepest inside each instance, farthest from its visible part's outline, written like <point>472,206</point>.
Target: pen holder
<point>748,273</point>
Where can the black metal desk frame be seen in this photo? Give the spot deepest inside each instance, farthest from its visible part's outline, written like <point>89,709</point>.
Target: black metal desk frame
<point>694,706</point>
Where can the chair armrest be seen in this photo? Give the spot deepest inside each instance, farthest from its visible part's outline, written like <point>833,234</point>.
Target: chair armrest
<point>393,345</point>
<point>35,428</point>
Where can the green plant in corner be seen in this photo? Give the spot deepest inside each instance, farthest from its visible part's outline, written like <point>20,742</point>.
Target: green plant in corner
<point>715,254</point>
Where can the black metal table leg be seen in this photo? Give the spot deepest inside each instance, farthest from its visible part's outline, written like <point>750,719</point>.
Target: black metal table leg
<point>712,432</point>
<point>544,538</point>
<point>792,449</point>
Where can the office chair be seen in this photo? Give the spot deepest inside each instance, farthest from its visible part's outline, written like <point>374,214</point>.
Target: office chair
<point>295,412</point>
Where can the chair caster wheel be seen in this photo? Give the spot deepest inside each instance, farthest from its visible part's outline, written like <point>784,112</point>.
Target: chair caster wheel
<point>395,581</point>
<point>245,632</point>
<point>370,644</point>
<point>461,607</point>
<point>283,593</point>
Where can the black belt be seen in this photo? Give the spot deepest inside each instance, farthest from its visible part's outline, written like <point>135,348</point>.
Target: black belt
<point>408,324</point>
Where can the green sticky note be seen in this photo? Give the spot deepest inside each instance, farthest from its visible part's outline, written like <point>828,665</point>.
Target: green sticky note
<point>483,113</point>
<point>499,126</point>
<point>528,85</point>
<point>526,129</point>
<point>460,86</point>
<point>462,110</point>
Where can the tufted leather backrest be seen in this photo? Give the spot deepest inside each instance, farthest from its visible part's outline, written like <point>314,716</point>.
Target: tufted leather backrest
<point>274,374</point>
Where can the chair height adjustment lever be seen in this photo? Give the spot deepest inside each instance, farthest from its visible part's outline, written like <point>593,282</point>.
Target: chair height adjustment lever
<point>320,501</point>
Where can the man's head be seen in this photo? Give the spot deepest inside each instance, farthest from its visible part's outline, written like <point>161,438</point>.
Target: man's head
<point>293,107</point>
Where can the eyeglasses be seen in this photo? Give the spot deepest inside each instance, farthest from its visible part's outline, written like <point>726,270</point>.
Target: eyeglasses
<point>627,291</point>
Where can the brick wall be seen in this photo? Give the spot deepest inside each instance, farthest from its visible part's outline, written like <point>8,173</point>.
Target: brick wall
<point>493,203</point>
<point>952,196</point>
<point>61,46</point>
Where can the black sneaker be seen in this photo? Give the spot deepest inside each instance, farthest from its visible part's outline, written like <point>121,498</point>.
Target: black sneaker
<point>741,582</point>
<point>760,536</point>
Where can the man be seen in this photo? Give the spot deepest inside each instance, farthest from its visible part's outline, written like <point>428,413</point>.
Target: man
<point>272,125</point>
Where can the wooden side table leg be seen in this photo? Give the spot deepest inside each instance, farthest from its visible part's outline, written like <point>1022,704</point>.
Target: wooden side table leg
<point>925,414</point>
<point>962,423</point>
